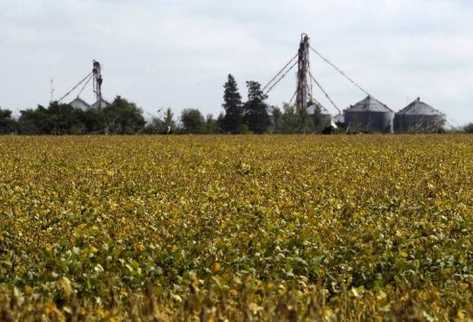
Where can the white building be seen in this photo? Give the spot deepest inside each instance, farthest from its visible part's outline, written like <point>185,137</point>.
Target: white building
<point>80,104</point>
<point>102,104</point>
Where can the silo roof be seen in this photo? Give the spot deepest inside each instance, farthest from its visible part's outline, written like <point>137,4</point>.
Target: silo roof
<point>369,104</point>
<point>79,100</point>
<point>102,103</point>
<point>419,108</point>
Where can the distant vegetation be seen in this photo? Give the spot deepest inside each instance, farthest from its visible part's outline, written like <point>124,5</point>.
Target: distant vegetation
<point>469,128</point>
<point>124,117</point>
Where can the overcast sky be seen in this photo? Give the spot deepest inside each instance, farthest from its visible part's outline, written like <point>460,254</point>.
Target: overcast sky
<point>177,53</point>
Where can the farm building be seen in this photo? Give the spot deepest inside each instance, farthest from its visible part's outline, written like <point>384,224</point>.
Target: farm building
<point>83,105</point>
<point>369,116</point>
<point>419,117</point>
<point>97,80</point>
<point>103,103</point>
<point>80,104</point>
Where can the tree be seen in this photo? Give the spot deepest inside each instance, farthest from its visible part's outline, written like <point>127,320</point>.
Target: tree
<point>123,117</point>
<point>233,107</point>
<point>93,120</point>
<point>255,109</point>
<point>34,121</point>
<point>290,122</point>
<point>192,121</point>
<point>220,120</point>
<point>7,123</point>
<point>168,122</point>
<point>277,119</point>
<point>321,123</point>
<point>211,125</point>
<point>468,128</point>
<point>64,119</point>
<point>155,126</point>
<point>165,125</point>
<point>305,121</point>
<point>56,119</point>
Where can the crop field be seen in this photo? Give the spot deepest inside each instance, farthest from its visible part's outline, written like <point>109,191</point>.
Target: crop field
<point>244,228</point>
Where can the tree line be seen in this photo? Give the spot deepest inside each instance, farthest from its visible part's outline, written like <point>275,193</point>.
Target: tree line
<point>253,115</point>
<point>120,117</point>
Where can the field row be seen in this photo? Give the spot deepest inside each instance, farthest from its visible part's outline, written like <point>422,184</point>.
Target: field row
<point>238,228</point>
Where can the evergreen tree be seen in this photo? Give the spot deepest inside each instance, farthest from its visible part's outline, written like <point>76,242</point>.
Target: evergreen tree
<point>233,107</point>
<point>256,110</point>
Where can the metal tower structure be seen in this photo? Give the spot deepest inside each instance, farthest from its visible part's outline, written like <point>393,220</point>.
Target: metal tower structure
<point>97,80</point>
<point>303,91</point>
<point>304,94</point>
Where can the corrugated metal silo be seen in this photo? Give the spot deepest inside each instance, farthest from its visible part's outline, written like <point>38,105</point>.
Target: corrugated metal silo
<point>419,117</point>
<point>369,116</point>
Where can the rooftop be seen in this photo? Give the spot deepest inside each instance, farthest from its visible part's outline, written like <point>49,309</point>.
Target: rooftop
<point>419,108</point>
<point>369,104</point>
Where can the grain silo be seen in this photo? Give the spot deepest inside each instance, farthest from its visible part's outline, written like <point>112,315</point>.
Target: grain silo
<point>79,103</point>
<point>100,104</point>
<point>369,116</point>
<point>419,117</point>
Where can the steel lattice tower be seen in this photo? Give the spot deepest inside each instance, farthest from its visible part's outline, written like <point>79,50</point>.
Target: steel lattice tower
<point>97,83</point>
<point>303,74</point>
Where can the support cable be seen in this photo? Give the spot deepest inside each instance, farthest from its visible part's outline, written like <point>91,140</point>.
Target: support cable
<point>75,86</point>
<point>310,88</point>
<point>268,84</point>
<point>280,79</point>
<point>325,93</point>
<point>291,101</point>
<point>341,72</point>
<point>85,85</point>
